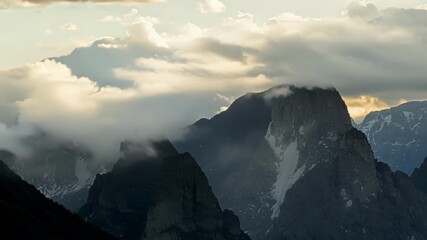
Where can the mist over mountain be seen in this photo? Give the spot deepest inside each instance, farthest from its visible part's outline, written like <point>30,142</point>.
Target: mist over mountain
<point>155,193</point>
<point>288,163</point>
<point>213,120</point>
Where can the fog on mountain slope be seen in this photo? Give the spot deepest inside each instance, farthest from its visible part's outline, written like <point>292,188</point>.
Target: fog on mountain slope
<point>154,193</point>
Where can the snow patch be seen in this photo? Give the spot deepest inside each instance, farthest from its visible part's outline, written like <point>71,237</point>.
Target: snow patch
<point>286,168</point>
<point>301,130</point>
<point>409,116</point>
<point>387,119</point>
<point>367,128</point>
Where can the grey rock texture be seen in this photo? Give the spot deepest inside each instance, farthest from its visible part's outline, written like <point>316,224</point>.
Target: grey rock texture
<point>185,207</point>
<point>303,172</point>
<point>397,135</point>
<point>419,177</point>
<point>153,188</point>
<point>118,201</point>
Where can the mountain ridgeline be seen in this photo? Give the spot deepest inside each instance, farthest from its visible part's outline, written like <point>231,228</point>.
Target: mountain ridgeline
<point>27,214</point>
<point>287,162</point>
<point>154,193</point>
<point>293,167</point>
<point>60,170</point>
<point>398,135</point>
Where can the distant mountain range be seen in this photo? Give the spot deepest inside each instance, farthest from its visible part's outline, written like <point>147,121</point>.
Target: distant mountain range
<point>398,135</point>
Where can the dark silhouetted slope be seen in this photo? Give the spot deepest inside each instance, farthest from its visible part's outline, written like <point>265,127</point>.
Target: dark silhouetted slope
<point>26,214</point>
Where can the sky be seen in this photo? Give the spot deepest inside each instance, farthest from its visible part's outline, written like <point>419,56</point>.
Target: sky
<point>101,71</point>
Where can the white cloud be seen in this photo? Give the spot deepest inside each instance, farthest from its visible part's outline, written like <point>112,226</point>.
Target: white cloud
<point>70,27</point>
<point>49,97</point>
<point>110,19</point>
<point>49,31</point>
<point>422,7</point>
<point>149,83</point>
<point>144,32</point>
<point>37,3</point>
<point>361,9</point>
<point>211,6</point>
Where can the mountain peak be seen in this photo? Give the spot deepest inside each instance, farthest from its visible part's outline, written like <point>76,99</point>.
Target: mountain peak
<point>186,208</point>
<point>314,108</point>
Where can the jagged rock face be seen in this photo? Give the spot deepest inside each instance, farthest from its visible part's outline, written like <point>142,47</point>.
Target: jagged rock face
<point>224,145</point>
<point>186,208</point>
<point>419,177</point>
<point>119,201</point>
<point>311,175</point>
<point>397,135</point>
<point>27,214</point>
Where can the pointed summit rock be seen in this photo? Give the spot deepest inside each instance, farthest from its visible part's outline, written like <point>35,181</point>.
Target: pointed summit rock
<point>300,170</point>
<point>118,201</point>
<point>152,187</point>
<point>185,207</point>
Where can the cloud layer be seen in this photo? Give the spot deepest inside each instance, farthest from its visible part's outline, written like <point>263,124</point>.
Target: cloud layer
<point>211,6</point>
<point>34,3</point>
<point>149,83</point>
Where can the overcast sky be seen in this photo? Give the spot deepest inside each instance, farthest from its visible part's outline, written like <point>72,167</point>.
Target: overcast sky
<point>132,68</point>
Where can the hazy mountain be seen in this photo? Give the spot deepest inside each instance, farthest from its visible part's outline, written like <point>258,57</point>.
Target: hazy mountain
<point>186,208</point>
<point>397,135</point>
<point>291,165</point>
<point>62,171</point>
<point>27,214</point>
<point>119,200</point>
<point>153,175</point>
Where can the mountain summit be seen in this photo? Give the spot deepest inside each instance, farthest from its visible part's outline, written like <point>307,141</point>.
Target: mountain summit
<point>290,164</point>
<point>154,193</point>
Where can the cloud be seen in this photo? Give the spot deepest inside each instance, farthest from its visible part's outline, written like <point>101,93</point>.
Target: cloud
<point>278,92</point>
<point>70,27</point>
<point>150,82</point>
<point>211,6</point>
<point>383,57</point>
<point>359,107</point>
<point>48,96</point>
<point>129,18</point>
<point>143,32</point>
<point>110,19</point>
<point>36,3</point>
<point>361,10</point>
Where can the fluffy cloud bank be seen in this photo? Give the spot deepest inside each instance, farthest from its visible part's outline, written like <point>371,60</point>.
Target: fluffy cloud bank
<point>211,6</point>
<point>47,96</point>
<point>34,3</point>
<point>149,83</point>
